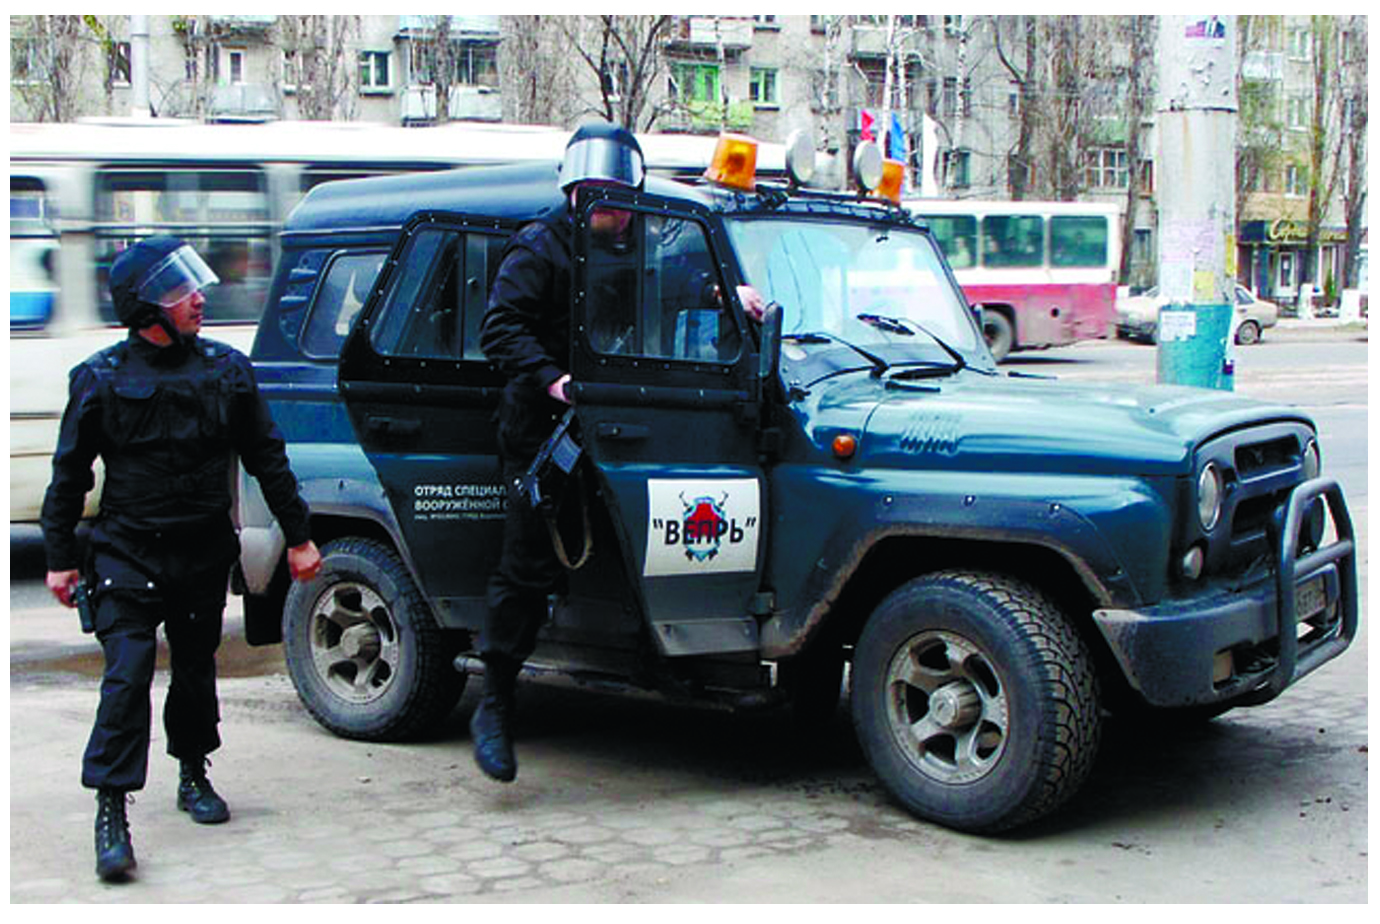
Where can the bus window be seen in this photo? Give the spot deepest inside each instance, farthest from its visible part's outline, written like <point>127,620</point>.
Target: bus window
<point>33,255</point>
<point>1013,240</point>
<point>957,236</point>
<point>1078,240</point>
<point>224,214</point>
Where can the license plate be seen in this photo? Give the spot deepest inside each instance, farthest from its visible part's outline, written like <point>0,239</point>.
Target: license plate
<point>1310,598</point>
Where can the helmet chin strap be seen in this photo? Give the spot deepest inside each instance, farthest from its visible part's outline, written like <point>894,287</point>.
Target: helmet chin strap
<point>161,320</point>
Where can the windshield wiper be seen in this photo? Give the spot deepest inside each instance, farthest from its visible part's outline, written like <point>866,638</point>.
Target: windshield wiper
<point>879,365</point>
<point>908,327</point>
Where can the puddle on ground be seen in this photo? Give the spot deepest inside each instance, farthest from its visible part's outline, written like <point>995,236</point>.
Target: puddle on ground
<point>235,658</point>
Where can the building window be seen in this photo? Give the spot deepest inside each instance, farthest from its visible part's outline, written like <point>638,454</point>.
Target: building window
<point>956,169</point>
<point>291,71</point>
<point>373,71</point>
<point>695,83</point>
<point>234,59</point>
<point>477,65</point>
<point>117,64</point>
<point>614,79</point>
<point>1105,168</point>
<point>1016,170</point>
<point>766,22</point>
<point>762,88</point>
<point>1300,44</point>
<point>26,60</point>
<point>1295,180</point>
<point>1298,112</point>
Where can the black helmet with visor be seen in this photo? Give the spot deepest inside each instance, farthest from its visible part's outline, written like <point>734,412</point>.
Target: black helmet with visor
<point>154,274</point>
<point>604,153</point>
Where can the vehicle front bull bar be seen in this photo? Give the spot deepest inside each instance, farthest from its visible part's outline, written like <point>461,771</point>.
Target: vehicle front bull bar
<point>1292,667</point>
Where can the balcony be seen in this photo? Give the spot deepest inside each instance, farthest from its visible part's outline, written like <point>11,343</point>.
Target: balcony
<point>708,32</point>
<point>701,117</point>
<point>466,104</point>
<point>243,102</point>
<point>241,25</point>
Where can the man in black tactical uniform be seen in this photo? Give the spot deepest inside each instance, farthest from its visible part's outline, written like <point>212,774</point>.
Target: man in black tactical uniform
<point>527,333</point>
<point>167,412</point>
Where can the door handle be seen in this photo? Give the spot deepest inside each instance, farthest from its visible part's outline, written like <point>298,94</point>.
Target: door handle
<point>392,426</point>
<point>611,430</point>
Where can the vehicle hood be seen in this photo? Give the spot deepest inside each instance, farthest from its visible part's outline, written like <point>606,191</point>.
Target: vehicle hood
<point>984,423</point>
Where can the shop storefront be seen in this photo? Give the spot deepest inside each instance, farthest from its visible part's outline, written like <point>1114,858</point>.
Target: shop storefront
<point>1270,258</point>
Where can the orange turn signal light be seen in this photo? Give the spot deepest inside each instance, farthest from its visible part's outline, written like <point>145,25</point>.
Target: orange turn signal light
<point>893,172</point>
<point>845,445</point>
<point>735,162</point>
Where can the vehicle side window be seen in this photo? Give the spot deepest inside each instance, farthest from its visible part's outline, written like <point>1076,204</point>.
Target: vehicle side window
<point>437,300</point>
<point>957,237</point>
<point>654,290</point>
<point>338,301</point>
<point>1078,240</point>
<point>1013,240</point>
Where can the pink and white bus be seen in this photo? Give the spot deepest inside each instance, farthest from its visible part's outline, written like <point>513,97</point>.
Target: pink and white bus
<point>1044,273</point>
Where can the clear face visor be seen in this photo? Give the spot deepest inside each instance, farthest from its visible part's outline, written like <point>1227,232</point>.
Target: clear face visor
<point>175,277</point>
<point>601,159</point>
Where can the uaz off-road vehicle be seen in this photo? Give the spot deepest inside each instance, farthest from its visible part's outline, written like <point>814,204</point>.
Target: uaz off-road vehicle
<point>852,481</point>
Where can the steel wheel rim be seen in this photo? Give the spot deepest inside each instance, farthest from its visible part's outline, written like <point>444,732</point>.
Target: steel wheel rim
<point>354,642</point>
<point>946,707</point>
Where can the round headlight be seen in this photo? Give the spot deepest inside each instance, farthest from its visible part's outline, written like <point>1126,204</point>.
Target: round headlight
<point>1209,495</point>
<point>1312,461</point>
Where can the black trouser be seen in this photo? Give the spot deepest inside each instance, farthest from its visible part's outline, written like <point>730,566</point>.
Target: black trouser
<point>528,572</point>
<point>117,754</point>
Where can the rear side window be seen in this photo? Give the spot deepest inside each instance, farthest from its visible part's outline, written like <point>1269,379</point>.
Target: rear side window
<point>1078,240</point>
<point>339,299</point>
<point>436,303</point>
<point>1013,240</point>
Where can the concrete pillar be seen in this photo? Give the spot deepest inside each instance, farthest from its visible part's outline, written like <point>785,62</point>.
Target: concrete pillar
<point>139,66</point>
<point>1195,182</point>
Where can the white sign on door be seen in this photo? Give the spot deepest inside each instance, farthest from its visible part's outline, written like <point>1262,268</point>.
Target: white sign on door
<point>708,526</point>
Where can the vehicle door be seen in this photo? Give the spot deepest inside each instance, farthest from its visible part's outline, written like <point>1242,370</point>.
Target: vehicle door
<point>667,396</point>
<point>422,399</point>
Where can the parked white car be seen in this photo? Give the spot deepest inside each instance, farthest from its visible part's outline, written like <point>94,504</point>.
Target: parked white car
<point>1138,316</point>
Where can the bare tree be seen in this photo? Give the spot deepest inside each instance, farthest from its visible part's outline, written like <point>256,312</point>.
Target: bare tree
<point>1025,73</point>
<point>1323,164</point>
<point>1139,33</point>
<point>320,49</point>
<point>536,83</point>
<point>1355,121</point>
<point>1259,130</point>
<point>627,57</point>
<point>48,57</point>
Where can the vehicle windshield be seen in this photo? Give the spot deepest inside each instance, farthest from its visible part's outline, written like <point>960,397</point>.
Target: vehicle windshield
<point>859,291</point>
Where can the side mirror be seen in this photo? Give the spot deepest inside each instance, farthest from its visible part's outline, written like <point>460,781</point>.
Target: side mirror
<point>770,356</point>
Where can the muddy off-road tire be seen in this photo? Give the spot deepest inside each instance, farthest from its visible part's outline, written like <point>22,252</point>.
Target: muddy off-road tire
<point>975,701</point>
<point>363,649</point>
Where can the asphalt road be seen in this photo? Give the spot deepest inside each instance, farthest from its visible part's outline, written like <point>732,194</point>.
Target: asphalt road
<point>633,800</point>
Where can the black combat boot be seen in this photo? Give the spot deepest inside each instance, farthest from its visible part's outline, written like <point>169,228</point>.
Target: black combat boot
<point>490,724</point>
<point>114,851</point>
<point>196,797</point>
